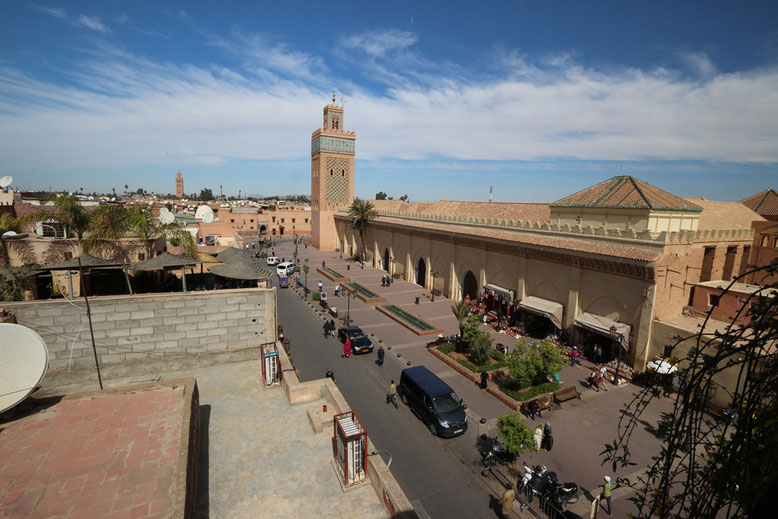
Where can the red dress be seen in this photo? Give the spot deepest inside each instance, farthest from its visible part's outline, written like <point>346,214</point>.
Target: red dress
<point>347,348</point>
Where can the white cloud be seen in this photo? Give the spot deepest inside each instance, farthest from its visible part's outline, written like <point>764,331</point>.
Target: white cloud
<point>56,12</point>
<point>380,41</point>
<point>92,22</point>
<point>699,63</point>
<point>132,110</point>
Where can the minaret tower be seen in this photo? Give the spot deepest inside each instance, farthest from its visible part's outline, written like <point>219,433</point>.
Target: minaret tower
<point>179,186</point>
<point>332,175</point>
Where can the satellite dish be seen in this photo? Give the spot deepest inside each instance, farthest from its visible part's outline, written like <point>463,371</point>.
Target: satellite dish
<point>8,234</point>
<point>204,213</point>
<point>6,181</point>
<point>23,362</point>
<point>166,216</point>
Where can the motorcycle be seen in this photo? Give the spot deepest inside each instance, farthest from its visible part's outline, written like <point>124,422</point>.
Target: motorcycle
<point>560,493</point>
<point>534,481</point>
<point>492,451</point>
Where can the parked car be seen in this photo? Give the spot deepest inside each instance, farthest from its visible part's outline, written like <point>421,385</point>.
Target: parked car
<point>283,282</point>
<point>273,260</point>
<point>433,401</point>
<point>360,343</point>
<point>285,268</point>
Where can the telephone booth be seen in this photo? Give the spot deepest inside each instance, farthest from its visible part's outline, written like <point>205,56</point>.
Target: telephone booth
<point>271,373</point>
<point>350,448</point>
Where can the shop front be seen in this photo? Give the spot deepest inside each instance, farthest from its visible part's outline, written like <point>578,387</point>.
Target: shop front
<point>541,318</point>
<point>497,299</point>
<point>595,329</point>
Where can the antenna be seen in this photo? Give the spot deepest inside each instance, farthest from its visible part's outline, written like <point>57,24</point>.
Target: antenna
<point>166,216</point>
<point>25,359</point>
<point>491,190</point>
<point>6,181</point>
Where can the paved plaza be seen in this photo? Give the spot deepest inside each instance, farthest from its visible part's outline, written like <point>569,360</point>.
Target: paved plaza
<point>581,427</point>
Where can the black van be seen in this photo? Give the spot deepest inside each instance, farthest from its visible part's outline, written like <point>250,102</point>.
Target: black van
<point>434,401</point>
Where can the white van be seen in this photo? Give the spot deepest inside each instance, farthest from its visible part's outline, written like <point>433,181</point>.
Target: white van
<point>285,269</point>
<point>273,260</point>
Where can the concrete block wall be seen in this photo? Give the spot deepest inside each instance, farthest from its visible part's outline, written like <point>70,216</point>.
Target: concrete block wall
<point>150,325</point>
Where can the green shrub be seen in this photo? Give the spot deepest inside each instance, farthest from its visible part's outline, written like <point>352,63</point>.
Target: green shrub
<point>316,296</point>
<point>527,362</point>
<point>515,434</point>
<point>481,348</point>
<point>447,348</point>
<point>516,392</point>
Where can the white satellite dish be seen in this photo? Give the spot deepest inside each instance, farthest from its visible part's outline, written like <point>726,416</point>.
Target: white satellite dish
<point>204,213</point>
<point>23,362</point>
<point>166,216</point>
<point>9,234</point>
<point>6,181</point>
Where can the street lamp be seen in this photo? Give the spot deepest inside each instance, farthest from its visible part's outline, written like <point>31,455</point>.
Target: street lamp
<point>432,288</point>
<point>306,269</point>
<point>618,353</point>
<point>348,308</point>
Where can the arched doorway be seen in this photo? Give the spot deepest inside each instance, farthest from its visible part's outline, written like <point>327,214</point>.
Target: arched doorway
<point>263,229</point>
<point>421,273</point>
<point>386,260</point>
<point>469,286</point>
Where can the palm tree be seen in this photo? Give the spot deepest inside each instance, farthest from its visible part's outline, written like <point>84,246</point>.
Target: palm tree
<point>361,212</point>
<point>461,310</point>
<point>68,212</point>
<point>148,228</point>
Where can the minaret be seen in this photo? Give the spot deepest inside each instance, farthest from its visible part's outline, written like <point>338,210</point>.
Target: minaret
<point>332,175</point>
<point>179,186</point>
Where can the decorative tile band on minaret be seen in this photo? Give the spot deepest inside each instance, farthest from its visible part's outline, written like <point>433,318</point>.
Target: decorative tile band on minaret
<point>332,175</point>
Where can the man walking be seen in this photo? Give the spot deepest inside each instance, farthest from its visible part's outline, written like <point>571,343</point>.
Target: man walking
<point>506,501</point>
<point>484,379</point>
<point>606,492</point>
<point>320,285</point>
<point>603,371</point>
<point>573,356</point>
<point>330,374</point>
<point>380,355</point>
<point>393,394</point>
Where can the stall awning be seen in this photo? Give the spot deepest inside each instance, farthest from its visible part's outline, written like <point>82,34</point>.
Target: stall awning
<point>498,288</point>
<point>602,325</point>
<point>548,309</point>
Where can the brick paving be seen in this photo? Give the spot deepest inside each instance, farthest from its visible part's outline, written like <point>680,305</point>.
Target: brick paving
<point>110,455</point>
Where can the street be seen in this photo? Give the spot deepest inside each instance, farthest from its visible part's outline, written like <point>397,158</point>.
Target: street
<point>424,465</point>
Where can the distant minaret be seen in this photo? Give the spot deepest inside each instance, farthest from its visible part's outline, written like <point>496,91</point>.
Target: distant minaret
<point>332,175</point>
<point>179,186</point>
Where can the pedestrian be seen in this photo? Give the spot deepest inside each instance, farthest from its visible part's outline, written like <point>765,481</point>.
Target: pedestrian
<point>326,329</point>
<point>548,438</point>
<point>337,290</point>
<point>323,264</point>
<point>538,437</point>
<point>330,374</point>
<point>603,371</point>
<point>393,394</point>
<point>347,348</point>
<point>594,379</point>
<point>484,379</point>
<point>320,286</point>
<point>381,355</point>
<point>506,501</point>
<point>534,408</point>
<point>606,492</point>
<point>573,355</point>
<point>597,356</point>
<point>383,280</point>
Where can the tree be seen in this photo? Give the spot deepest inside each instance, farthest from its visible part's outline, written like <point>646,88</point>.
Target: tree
<point>66,211</point>
<point>527,363</point>
<point>481,348</point>
<point>380,195</point>
<point>515,434</point>
<point>461,310</point>
<point>361,213</point>
<point>148,228</point>
<point>404,198</point>
<point>205,194</point>
<point>714,468</point>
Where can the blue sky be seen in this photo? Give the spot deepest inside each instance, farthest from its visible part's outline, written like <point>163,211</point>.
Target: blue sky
<point>538,99</point>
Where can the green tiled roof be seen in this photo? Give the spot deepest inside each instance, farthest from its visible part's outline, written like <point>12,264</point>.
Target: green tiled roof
<point>625,192</point>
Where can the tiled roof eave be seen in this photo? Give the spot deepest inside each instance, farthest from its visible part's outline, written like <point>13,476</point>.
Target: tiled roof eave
<point>654,208</point>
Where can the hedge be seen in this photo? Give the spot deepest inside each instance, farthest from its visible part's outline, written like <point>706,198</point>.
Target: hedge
<point>496,355</point>
<point>528,394</point>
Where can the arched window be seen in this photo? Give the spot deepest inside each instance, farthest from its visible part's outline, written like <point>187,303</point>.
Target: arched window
<point>342,172</point>
<point>764,241</point>
<point>331,171</point>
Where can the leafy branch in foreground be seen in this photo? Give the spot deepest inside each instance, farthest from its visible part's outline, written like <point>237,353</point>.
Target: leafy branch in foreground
<point>707,467</point>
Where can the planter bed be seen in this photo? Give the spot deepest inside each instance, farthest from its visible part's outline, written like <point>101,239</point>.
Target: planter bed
<point>411,321</point>
<point>499,367</point>
<point>363,293</point>
<point>332,275</point>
